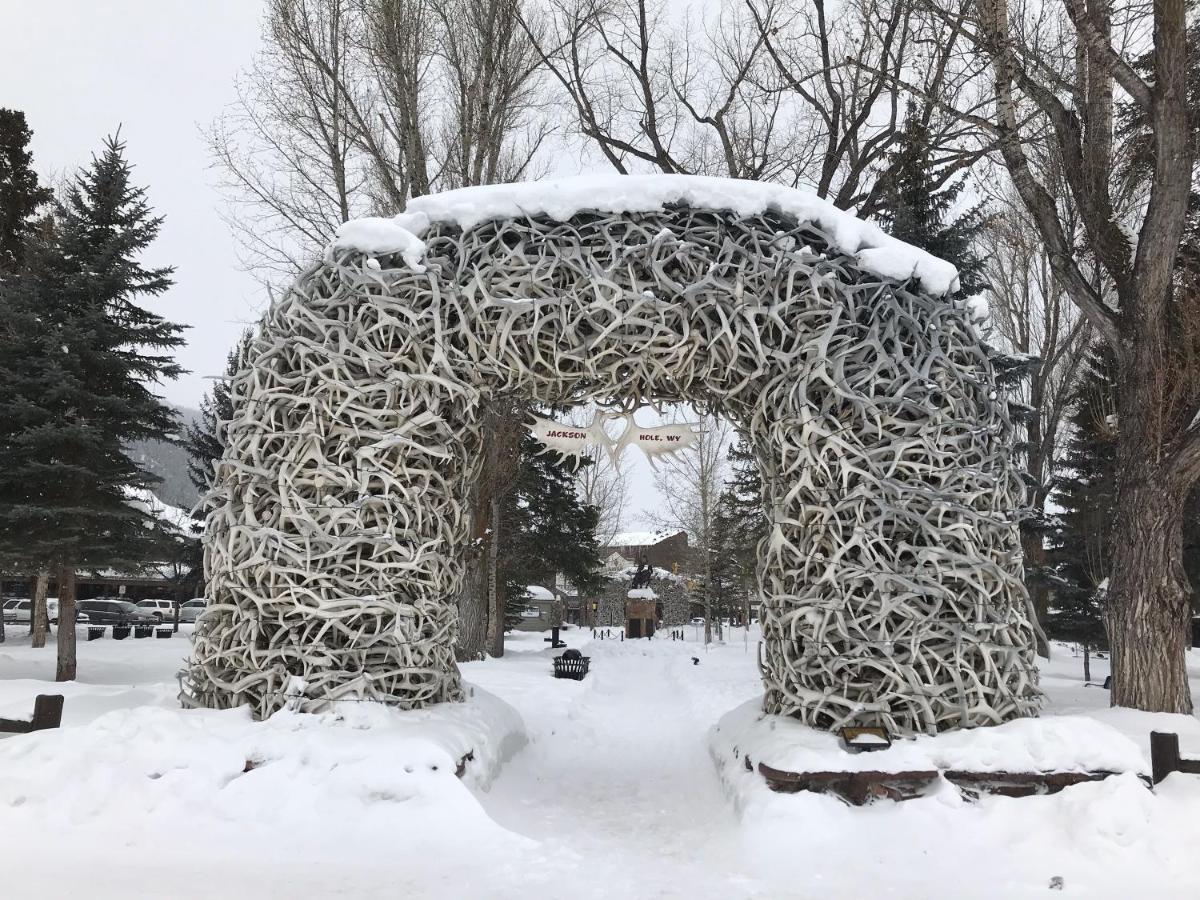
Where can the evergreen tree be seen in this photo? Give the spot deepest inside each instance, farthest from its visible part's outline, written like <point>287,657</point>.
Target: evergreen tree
<point>1080,551</point>
<point>21,196</point>
<point>205,444</point>
<point>546,529</point>
<point>916,210</point>
<point>77,362</point>
<point>738,526</point>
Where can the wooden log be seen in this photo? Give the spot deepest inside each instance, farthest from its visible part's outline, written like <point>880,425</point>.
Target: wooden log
<point>859,787</point>
<point>854,787</point>
<point>1020,784</point>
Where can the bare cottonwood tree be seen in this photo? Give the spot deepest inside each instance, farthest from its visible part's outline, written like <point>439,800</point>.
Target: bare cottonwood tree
<point>1031,315</point>
<point>287,149</point>
<point>1136,299</point>
<point>355,106</point>
<point>689,485</point>
<point>602,483</point>
<point>800,93</point>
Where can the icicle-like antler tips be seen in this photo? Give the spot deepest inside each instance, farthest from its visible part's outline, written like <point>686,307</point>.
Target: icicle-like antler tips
<point>891,585</point>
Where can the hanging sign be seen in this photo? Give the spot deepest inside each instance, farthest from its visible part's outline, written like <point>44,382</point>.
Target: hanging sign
<point>573,440</point>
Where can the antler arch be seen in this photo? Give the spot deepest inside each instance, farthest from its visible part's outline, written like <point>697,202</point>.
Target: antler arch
<point>890,581</point>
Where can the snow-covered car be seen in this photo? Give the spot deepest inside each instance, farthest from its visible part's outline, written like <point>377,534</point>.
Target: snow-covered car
<point>698,621</point>
<point>162,610</point>
<point>191,609</point>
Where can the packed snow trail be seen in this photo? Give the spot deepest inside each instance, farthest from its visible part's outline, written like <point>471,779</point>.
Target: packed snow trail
<point>617,784</point>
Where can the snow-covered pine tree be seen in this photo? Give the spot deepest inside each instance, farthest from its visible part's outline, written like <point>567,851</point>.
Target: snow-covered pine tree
<point>21,195</point>
<point>1079,556</point>
<point>549,529</point>
<point>919,200</point>
<point>79,360</point>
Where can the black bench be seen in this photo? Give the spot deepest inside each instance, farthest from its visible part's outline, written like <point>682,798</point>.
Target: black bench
<point>571,664</point>
<point>163,632</point>
<point>95,631</point>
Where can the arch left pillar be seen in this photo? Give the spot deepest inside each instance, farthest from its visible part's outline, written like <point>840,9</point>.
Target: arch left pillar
<point>335,535</point>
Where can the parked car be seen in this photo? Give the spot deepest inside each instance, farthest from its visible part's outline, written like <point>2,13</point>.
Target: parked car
<point>698,621</point>
<point>20,612</point>
<point>115,611</point>
<point>162,610</point>
<point>191,609</point>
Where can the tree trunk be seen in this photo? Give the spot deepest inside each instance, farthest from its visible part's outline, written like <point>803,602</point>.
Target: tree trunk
<point>1034,551</point>
<point>473,610</point>
<point>66,624</point>
<point>495,596</point>
<point>1148,614</point>
<point>1087,662</point>
<point>39,619</point>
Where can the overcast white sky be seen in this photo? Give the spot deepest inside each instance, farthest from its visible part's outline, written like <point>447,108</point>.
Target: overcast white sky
<point>162,70</point>
<point>159,69</point>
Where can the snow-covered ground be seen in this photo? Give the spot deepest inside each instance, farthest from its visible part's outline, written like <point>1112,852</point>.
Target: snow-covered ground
<point>604,788</point>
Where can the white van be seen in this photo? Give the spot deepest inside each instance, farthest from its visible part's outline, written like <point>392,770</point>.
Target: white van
<point>162,610</point>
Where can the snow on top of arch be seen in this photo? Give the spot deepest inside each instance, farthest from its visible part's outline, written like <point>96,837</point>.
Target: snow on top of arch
<point>562,198</point>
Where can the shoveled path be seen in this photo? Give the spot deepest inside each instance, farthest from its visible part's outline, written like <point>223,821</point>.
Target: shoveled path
<point>617,784</point>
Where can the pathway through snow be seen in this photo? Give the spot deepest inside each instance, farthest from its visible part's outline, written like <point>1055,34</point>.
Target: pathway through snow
<point>617,783</point>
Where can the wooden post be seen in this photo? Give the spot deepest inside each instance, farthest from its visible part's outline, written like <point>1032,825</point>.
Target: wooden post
<point>1164,754</point>
<point>47,711</point>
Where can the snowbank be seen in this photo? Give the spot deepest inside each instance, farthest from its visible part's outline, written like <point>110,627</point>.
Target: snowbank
<point>560,199</point>
<point>172,517</point>
<point>368,771</point>
<point>1108,839</point>
<point>1048,744</point>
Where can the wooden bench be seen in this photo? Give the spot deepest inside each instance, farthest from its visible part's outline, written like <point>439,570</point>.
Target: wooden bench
<point>47,713</point>
<point>1165,758</point>
<point>571,664</point>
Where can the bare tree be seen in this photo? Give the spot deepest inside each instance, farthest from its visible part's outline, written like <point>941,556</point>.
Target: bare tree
<point>287,149</point>
<point>689,484</point>
<point>1136,299</point>
<point>1031,315</point>
<point>354,106</point>
<point>603,483</point>
<point>773,90</point>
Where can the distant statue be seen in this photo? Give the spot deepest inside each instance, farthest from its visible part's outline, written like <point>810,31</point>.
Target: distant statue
<point>641,578</point>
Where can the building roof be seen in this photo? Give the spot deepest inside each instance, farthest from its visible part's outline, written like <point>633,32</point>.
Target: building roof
<point>641,538</point>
